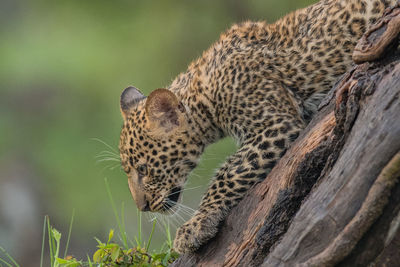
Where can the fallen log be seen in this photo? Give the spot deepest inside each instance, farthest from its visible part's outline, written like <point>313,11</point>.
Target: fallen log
<point>334,198</point>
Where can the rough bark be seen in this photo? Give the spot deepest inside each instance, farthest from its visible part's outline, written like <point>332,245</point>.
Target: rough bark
<point>334,198</point>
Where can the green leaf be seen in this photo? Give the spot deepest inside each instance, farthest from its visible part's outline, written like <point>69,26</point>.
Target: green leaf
<point>69,263</point>
<point>57,237</point>
<point>98,255</point>
<point>159,256</point>
<point>165,260</point>
<point>62,261</point>
<point>110,235</point>
<point>115,253</point>
<point>110,246</point>
<point>56,234</point>
<point>101,244</point>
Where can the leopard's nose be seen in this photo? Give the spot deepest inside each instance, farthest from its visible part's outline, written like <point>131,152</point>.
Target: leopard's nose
<point>145,206</point>
<point>142,203</point>
<point>139,196</point>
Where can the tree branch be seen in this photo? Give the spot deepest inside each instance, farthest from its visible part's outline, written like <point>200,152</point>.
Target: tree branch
<point>333,198</point>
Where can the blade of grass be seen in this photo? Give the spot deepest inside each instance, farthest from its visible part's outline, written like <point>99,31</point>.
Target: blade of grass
<point>53,241</point>
<point>163,247</point>
<point>131,242</point>
<point>120,238</point>
<point>69,232</point>
<point>56,239</point>
<point>9,256</point>
<point>115,210</point>
<point>6,263</point>
<point>139,223</point>
<point>89,261</point>
<point>43,240</point>
<point>123,225</point>
<point>50,241</point>
<point>151,235</point>
<point>168,232</point>
<point>140,228</point>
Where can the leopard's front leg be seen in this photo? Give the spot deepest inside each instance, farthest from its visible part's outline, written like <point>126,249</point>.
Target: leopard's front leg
<point>250,164</point>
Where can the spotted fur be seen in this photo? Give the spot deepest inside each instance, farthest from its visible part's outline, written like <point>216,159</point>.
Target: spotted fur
<point>261,84</point>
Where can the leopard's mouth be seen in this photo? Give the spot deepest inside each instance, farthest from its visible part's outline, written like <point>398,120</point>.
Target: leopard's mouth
<point>172,199</point>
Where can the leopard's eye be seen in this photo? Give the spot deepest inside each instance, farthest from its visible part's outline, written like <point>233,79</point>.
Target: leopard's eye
<point>142,169</point>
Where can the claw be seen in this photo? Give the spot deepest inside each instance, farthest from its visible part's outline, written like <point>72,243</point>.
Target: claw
<point>343,92</point>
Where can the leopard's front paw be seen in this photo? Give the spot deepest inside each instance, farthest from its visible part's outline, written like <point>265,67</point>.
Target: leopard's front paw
<point>194,233</point>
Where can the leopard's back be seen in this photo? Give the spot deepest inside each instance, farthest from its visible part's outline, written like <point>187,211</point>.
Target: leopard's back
<point>305,52</point>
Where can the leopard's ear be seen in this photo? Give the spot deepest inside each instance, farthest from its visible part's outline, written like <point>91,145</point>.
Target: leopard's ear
<point>130,97</point>
<point>164,111</point>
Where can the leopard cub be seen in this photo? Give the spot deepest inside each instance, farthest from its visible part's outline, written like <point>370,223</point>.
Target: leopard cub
<point>260,84</point>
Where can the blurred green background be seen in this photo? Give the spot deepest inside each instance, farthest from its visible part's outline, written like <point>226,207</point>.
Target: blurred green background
<point>63,65</point>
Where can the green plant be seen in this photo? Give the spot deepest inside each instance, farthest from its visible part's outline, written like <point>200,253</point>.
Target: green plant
<point>54,238</point>
<point>107,254</point>
<point>9,258</point>
<point>112,253</point>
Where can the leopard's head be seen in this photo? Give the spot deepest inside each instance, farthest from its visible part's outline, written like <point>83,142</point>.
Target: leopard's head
<point>156,148</point>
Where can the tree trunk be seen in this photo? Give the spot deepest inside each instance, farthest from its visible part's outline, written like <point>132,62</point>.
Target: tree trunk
<point>334,198</point>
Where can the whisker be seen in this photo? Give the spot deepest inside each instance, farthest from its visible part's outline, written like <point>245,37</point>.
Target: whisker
<point>184,206</point>
<point>106,152</point>
<point>178,220</point>
<point>172,214</point>
<point>179,217</point>
<point>187,210</point>
<point>108,159</point>
<point>115,166</point>
<point>183,215</point>
<point>106,168</point>
<point>104,143</point>
<point>193,174</point>
<point>170,219</point>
